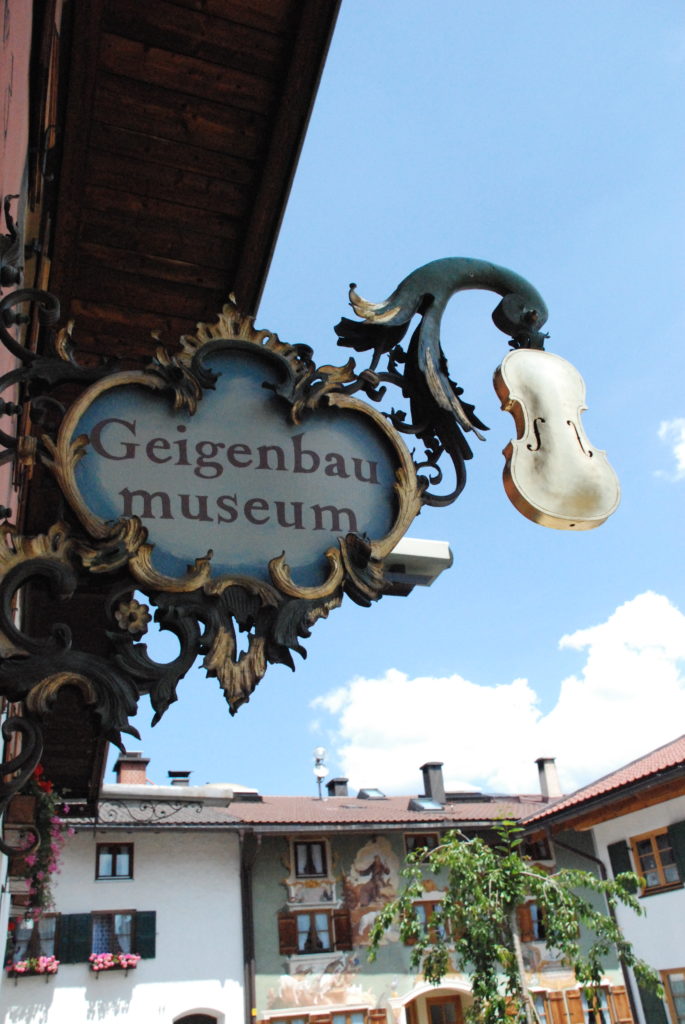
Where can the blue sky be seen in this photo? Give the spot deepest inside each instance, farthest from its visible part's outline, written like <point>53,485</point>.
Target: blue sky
<point>548,138</point>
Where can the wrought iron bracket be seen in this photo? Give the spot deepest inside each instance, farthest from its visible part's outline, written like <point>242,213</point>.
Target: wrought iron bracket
<point>205,612</point>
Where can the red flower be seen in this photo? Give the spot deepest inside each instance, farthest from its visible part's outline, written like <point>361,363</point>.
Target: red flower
<point>38,771</point>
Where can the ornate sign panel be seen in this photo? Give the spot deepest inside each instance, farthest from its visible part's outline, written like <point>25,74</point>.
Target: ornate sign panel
<point>238,477</point>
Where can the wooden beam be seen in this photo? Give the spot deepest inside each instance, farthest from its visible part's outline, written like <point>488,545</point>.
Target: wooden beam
<point>617,806</point>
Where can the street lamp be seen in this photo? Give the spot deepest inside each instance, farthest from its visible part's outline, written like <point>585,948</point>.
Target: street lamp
<point>320,769</point>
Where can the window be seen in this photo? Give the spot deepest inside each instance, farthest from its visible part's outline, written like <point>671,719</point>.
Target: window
<point>608,1006</point>
<point>354,1017</point>
<point>113,932</point>
<point>420,841</point>
<point>541,1007</point>
<point>444,1010</point>
<point>114,860</point>
<point>310,860</point>
<point>537,922</point>
<point>34,938</point>
<point>537,849</point>
<point>339,1017</point>
<point>427,911</point>
<point>531,923</point>
<point>314,931</point>
<point>674,987</point>
<point>655,860</point>
<point>596,1012</point>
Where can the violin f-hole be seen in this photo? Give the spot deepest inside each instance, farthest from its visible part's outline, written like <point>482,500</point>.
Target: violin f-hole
<point>536,430</point>
<point>585,451</point>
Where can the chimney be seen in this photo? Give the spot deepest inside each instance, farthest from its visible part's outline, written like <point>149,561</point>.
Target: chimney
<point>549,780</point>
<point>179,778</point>
<point>131,769</point>
<point>337,787</point>
<point>432,781</point>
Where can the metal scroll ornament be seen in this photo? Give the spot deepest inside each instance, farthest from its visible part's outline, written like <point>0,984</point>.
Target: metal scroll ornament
<point>238,486</point>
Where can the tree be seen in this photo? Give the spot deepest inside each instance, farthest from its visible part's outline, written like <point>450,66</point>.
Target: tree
<point>474,930</point>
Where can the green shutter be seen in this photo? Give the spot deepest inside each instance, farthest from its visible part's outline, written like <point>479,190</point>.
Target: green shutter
<point>676,833</point>
<point>653,1007</point>
<point>74,944</point>
<point>619,858</point>
<point>146,933</point>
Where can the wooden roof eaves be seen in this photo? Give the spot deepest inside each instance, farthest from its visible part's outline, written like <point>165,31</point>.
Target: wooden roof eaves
<point>84,31</point>
<point>656,788</point>
<point>311,42</point>
<point>317,22</point>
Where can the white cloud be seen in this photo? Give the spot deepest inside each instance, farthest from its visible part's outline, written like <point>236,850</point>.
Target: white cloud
<point>628,698</point>
<point>672,432</point>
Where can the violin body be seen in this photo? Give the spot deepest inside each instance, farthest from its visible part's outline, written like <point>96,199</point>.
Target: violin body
<point>552,474</point>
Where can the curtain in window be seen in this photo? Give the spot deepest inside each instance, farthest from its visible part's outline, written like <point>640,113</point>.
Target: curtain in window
<point>313,933</point>
<point>35,938</point>
<point>47,927</point>
<point>22,937</point>
<point>112,933</point>
<point>122,863</point>
<point>122,932</point>
<point>309,859</point>
<point>105,862</point>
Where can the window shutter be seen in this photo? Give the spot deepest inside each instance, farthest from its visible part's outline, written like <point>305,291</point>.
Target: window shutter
<point>620,1005</point>
<point>342,929</point>
<point>619,858</point>
<point>653,1007</point>
<point>146,933</point>
<point>287,934</point>
<point>575,1007</point>
<point>676,833</point>
<point>557,1011</point>
<point>74,944</point>
<point>525,923</point>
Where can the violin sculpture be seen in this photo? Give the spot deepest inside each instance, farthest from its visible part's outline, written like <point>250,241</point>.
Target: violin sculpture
<point>552,475</point>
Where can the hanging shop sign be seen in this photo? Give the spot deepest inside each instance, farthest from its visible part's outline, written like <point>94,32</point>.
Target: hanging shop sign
<point>244,490</point>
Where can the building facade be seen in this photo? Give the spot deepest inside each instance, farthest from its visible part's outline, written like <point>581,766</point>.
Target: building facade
<point>634,820</point>
<point>243,906</point>
<point>158,878</point>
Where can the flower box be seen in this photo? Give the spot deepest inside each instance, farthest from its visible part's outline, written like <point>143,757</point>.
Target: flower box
<point>113,962</point>
<point>39,965</point>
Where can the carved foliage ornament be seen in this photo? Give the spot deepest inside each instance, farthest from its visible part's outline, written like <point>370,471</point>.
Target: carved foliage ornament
<point>239,486</point>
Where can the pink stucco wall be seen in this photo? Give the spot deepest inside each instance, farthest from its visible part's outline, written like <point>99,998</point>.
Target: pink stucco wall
<point>15,47</point>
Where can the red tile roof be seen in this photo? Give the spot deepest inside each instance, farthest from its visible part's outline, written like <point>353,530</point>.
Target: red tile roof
<point>278,813</point>
<point>671,755</point>
<point>347,810</point>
